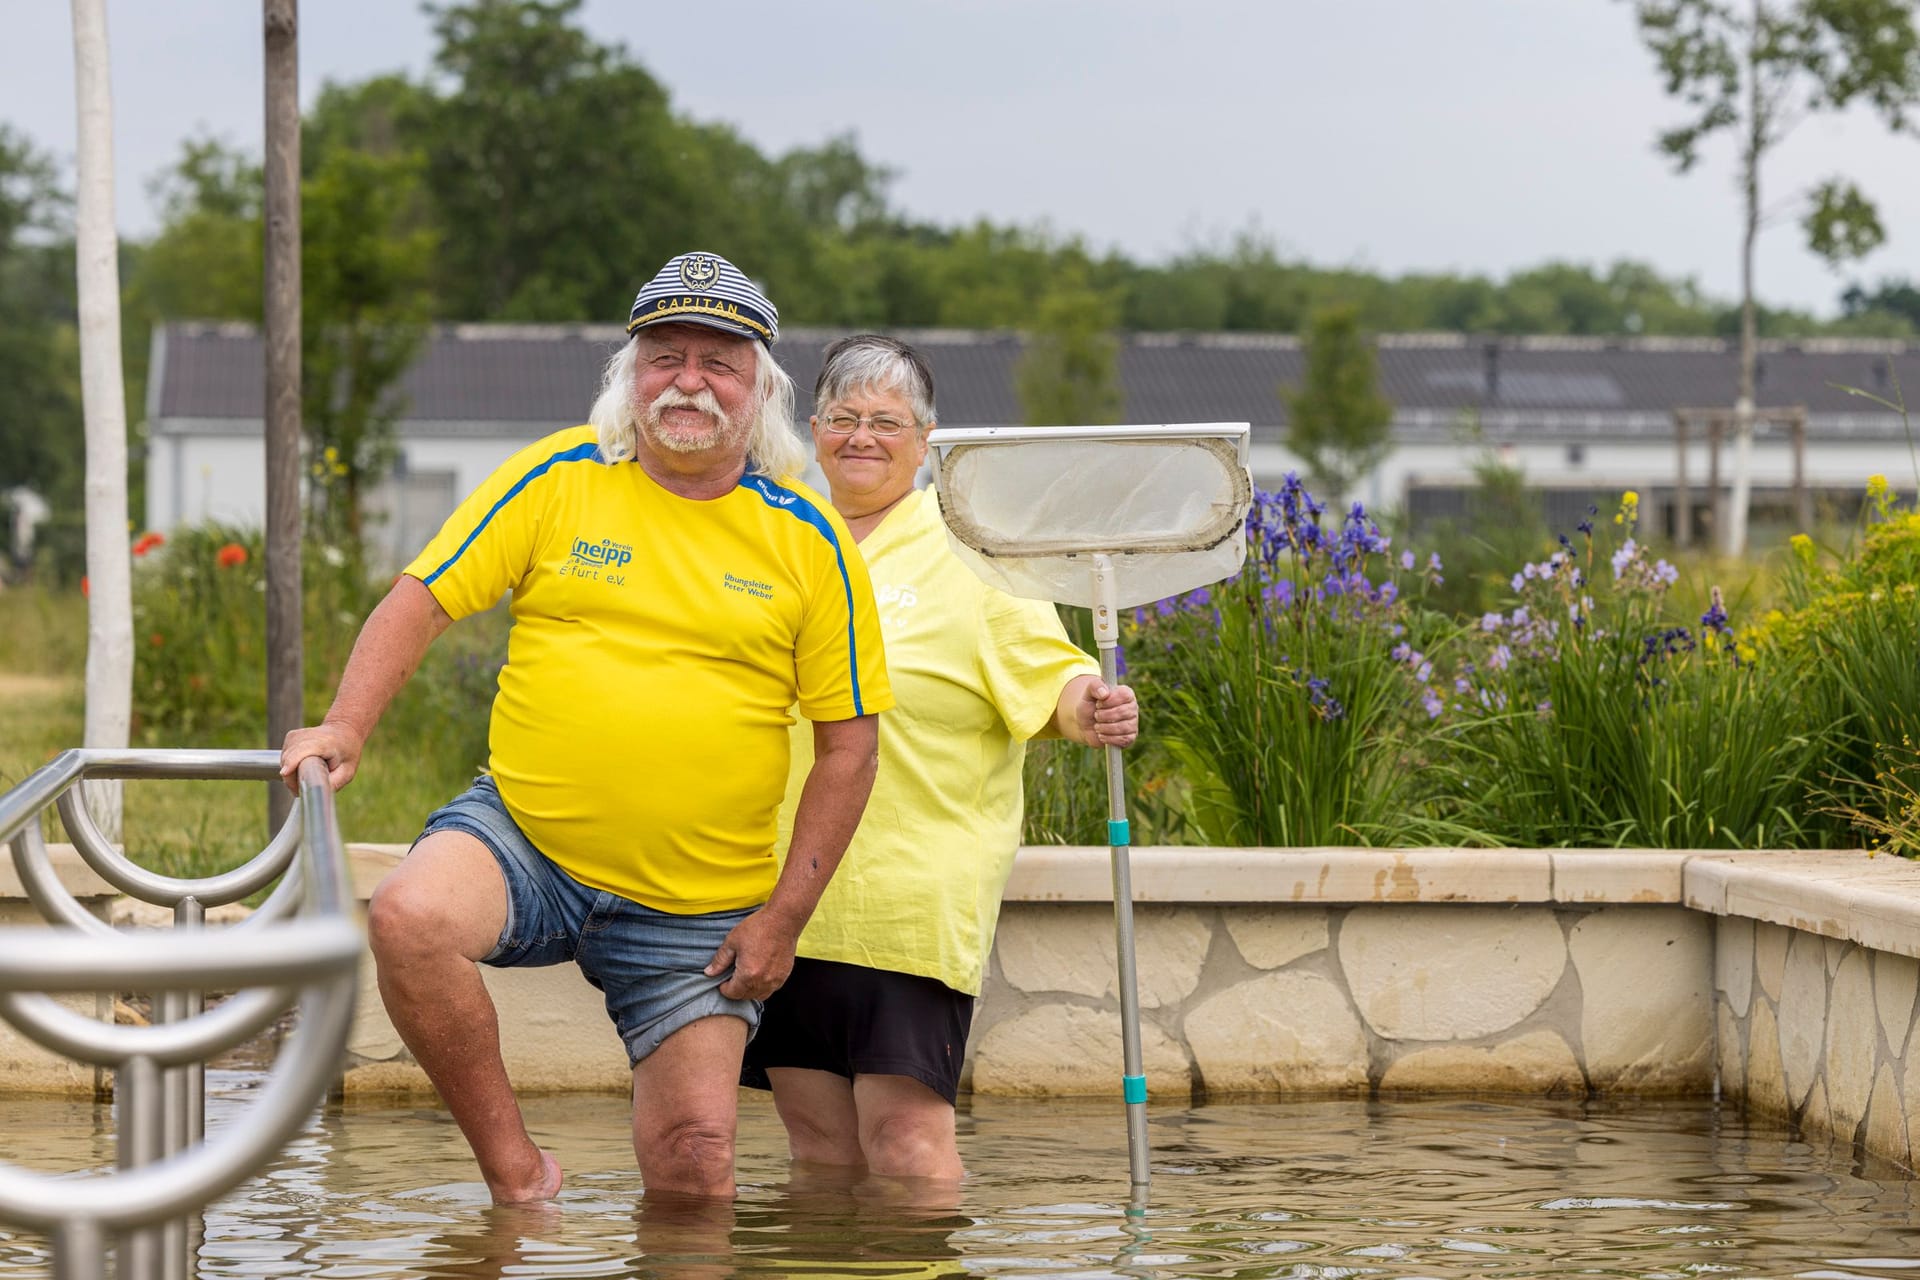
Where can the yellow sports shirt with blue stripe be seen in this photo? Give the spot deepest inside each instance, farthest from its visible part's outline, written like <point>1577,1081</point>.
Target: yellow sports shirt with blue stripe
<point>639,734</point>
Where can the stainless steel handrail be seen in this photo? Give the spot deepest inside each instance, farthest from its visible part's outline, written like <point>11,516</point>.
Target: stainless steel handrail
<point>303,943</point>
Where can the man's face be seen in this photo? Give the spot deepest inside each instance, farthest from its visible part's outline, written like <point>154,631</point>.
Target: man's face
<point>693,388</point>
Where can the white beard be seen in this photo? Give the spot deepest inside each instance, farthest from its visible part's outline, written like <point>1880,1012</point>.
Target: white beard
<point>721,431</point>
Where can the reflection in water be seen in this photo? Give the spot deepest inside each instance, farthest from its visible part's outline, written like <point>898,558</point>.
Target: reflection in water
<point>1445,1188</point>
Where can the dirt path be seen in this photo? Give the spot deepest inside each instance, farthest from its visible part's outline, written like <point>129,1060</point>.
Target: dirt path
<point>20,687</point>
<point>14,685</point>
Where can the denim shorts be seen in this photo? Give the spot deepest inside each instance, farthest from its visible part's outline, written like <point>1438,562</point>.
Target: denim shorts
<point>649,964</point>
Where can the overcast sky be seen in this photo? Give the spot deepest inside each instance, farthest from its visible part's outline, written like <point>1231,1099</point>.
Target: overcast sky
<point>1394,135</point>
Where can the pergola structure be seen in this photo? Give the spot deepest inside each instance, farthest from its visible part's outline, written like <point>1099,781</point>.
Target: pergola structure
<point>1718,423</point>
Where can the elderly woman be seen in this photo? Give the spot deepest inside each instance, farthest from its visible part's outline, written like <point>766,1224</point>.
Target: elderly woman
<point>862,1046</point>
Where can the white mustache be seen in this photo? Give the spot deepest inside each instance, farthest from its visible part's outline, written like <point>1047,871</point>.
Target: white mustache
<point>674,398</point>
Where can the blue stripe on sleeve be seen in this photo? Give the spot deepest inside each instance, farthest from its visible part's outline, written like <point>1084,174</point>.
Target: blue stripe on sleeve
<point>579,453</point>
<point>800,509</point>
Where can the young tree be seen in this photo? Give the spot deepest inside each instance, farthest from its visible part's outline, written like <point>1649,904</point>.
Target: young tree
<point>109,714</point>
<point>1757,69</point>
<point>1338,422</point>
<point>1069,371</point>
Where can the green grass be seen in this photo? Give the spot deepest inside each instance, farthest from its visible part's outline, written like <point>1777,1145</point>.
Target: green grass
<point>427,749</point>
<point>45,632</point>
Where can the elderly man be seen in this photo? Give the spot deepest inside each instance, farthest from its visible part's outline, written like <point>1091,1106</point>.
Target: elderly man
<point>674,594</point>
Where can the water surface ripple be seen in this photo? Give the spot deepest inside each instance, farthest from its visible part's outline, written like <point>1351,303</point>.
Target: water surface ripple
<point>1403,1188</point>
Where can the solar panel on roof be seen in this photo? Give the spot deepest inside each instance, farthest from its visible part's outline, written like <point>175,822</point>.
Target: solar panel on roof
<point>1559,390</point>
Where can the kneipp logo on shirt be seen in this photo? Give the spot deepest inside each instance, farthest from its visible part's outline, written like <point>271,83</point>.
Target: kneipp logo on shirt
<point>602,560</point>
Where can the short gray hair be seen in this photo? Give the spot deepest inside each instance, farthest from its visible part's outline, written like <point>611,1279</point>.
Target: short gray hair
<point>773,450</point>
<point>875,361</point>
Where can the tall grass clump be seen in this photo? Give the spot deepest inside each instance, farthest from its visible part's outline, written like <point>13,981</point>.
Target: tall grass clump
<point>1588,714</point>
<point>1285,697</point>
<point>1852,627</point>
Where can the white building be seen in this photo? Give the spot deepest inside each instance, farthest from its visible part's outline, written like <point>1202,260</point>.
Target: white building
<point>1584,418</point>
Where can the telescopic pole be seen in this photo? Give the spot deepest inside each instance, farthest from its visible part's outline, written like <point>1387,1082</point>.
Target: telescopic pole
<point>1106,633</point>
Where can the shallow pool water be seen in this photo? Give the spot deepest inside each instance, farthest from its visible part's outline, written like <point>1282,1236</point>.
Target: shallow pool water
<point>1443,1188</point>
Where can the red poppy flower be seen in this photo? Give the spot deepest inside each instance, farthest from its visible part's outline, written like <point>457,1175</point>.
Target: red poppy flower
<point>148,541</point>
<point>230,555</point>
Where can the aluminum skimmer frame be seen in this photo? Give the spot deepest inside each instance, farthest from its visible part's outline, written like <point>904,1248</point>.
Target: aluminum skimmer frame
<point>1104,518</point>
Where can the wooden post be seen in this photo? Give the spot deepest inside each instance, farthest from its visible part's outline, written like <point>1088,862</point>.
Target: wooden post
<point>1716,427</point>
<point>1802,495</point>
<point>1682,500</point>
<point>282,332</point>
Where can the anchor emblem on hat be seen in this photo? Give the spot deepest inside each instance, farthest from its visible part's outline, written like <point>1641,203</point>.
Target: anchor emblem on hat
<point>699,272</point>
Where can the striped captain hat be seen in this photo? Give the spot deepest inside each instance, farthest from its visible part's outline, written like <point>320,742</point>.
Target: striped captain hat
<point>704,288</point>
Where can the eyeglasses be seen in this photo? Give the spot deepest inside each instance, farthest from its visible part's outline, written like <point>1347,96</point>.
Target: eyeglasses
<point>845,424</point>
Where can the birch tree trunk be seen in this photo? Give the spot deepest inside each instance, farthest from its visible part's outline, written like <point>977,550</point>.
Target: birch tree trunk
<point>103,400</point>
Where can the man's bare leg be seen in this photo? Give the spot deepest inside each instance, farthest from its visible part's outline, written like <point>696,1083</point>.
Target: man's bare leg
<point>430,921</point>
<point>686,1108</point>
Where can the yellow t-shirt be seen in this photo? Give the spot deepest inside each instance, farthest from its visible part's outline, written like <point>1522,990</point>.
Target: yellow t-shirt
<point>639,735</point>
<point>977,672</point>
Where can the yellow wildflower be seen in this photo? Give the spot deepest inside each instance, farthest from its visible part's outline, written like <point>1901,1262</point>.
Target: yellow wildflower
<point>1880,496</point>
<point>1629,508</point>
<point>1803,547</point>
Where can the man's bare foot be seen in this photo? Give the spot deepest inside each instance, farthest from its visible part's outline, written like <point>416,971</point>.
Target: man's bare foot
<point>545,1189</point>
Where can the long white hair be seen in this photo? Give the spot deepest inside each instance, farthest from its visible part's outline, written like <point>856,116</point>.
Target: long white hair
<point>773,450</point>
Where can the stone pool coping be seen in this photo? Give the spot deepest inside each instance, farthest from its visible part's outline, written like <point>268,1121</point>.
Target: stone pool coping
<point>1872,900</point>
<point>1853,896</point>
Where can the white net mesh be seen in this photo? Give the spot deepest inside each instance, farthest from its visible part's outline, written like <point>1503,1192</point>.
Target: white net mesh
<point>1029,509</point>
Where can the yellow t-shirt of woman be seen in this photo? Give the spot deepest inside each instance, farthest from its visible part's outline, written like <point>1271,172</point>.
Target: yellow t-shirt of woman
<point>975,673</point>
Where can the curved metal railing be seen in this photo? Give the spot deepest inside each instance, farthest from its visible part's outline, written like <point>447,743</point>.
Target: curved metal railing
<point>300,948</point>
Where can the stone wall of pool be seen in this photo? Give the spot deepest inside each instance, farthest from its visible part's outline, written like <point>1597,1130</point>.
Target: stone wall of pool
<point>1784,980</point>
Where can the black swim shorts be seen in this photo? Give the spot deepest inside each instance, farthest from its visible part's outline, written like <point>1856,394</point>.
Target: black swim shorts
<point>852,1020</point>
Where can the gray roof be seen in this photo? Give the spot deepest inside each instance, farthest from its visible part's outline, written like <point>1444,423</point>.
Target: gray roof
<point>518,378</point>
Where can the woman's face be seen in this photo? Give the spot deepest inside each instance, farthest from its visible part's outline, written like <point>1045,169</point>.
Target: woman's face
<point>863,468</point>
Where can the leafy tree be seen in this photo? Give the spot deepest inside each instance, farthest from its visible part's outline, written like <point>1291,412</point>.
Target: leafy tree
<point>1895,300</point>
<point>833,185</point>
<point>1757,71</point>
<point>1337,421</point>
<point>365,262</point>
<point>205,262</point>
<point>40,438</point>
<point>367,251</point>
<point>1069,372</point>
<point>559,163</point>
<point>384,116</point>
